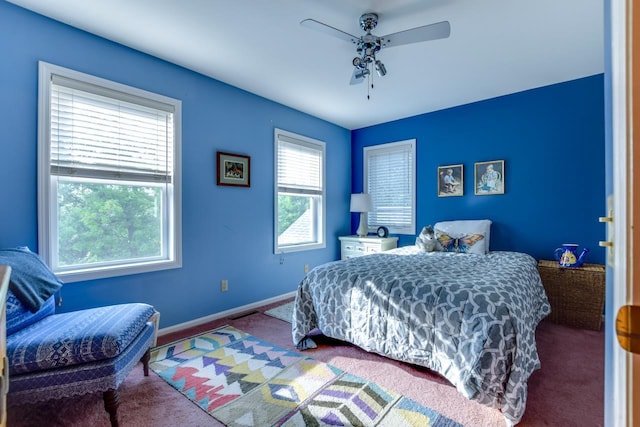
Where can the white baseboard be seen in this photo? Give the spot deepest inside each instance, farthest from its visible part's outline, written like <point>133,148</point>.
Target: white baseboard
<point>226,313</point>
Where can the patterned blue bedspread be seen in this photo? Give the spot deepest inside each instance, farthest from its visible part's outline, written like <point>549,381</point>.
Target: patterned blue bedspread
<point>471,318</point>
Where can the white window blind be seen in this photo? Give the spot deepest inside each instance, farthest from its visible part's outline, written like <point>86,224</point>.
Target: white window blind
<point>102,133</point>
<point>299,167</point>
<point>390,180</point>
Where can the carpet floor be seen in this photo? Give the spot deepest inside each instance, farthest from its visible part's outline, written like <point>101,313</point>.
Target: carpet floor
<point>567,391</point>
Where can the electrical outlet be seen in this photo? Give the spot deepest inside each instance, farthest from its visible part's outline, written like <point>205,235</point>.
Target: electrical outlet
<point>224,285</point>
<point>306,268</point>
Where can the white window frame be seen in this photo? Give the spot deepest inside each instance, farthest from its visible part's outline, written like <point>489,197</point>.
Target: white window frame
<point>402,146</point>
<point>47,206</point>
<point>319,211</point>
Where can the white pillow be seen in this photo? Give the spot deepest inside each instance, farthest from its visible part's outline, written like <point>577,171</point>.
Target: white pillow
<point>459,229</point>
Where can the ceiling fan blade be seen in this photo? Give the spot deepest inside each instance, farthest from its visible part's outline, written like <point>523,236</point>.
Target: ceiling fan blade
<point>358,76</point>
<point>439,30</point>
<point>328,29</point>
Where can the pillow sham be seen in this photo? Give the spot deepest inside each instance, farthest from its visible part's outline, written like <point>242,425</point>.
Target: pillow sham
<point>460,229</point>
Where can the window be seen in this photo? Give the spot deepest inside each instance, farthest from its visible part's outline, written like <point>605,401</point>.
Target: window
<point>389,176</point>
<point>108,177</point>
<point>299,193</point>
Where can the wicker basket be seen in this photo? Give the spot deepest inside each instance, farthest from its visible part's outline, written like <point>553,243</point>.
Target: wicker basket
<point>576,294</point>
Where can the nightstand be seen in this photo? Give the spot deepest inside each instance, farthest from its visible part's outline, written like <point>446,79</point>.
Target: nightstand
<point>354,246</point>
<point>576,294</point>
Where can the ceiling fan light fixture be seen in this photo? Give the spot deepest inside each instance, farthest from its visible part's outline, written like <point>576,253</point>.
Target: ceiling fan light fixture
<point>380,68</point>
<point>361,73</point>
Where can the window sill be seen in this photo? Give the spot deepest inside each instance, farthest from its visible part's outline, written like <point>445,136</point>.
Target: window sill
<point>115,271</point>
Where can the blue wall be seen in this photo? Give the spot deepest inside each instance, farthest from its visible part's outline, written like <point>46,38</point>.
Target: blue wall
<point>552,142</point>
<point>227,232</point>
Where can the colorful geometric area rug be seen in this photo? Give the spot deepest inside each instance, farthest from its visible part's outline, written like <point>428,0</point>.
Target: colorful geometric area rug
<point>243,381</point>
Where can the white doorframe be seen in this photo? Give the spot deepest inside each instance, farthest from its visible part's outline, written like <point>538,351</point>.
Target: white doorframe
<point>620,358</point>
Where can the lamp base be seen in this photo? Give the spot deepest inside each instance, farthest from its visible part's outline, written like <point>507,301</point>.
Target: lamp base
<point>362,227</point>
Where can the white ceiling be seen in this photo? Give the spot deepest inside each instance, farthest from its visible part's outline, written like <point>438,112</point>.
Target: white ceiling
<point>496,47</point>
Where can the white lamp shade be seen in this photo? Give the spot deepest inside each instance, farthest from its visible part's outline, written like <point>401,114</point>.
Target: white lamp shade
<point>361,202</point>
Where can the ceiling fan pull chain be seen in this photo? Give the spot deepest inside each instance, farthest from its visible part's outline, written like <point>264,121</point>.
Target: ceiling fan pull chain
<point>371,74</point>
<point>369,83</point>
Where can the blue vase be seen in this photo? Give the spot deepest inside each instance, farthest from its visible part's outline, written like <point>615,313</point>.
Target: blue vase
<point>566,255</point>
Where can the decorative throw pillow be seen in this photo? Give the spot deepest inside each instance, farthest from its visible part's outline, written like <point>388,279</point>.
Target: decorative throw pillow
<point>463,244</point>
<point>32,282</point>
<point>467,227</point>
<point>19,316</point>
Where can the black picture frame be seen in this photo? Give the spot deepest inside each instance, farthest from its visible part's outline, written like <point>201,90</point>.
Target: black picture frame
<point>233,169</point>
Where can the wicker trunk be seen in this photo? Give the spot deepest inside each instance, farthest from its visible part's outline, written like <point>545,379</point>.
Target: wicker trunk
<point>576,294</point>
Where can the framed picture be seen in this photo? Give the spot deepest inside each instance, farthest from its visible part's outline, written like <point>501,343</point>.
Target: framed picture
<point>233,169</point>
<point>489,177</point>
<point>450,181</point>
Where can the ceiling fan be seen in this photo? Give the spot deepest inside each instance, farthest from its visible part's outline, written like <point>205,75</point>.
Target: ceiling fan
<point>369,44</point>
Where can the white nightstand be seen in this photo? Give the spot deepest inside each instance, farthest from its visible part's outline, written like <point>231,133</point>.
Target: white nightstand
<point>353,246</point>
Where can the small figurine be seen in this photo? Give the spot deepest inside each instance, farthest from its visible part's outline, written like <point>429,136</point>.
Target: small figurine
<point>426,240</point>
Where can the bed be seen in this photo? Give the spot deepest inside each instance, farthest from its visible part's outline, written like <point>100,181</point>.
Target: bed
<point>469,316</point>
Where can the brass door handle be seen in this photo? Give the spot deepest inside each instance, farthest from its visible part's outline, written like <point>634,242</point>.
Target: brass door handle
<point>606,244</point>
<point>628,328</point>
<point>605,219</point>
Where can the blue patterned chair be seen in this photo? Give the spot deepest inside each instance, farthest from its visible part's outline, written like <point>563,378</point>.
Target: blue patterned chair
<point>54,356</point>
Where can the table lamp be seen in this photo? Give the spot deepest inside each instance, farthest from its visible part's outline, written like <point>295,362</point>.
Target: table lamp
<point>362,203</point>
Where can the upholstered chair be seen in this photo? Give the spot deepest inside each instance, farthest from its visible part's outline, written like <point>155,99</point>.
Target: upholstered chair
<point>57,356</point>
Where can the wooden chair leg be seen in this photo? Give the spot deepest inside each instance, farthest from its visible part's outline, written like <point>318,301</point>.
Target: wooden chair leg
<point>145,361</point>
<point>111,397</point>
<point>111,403</point>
